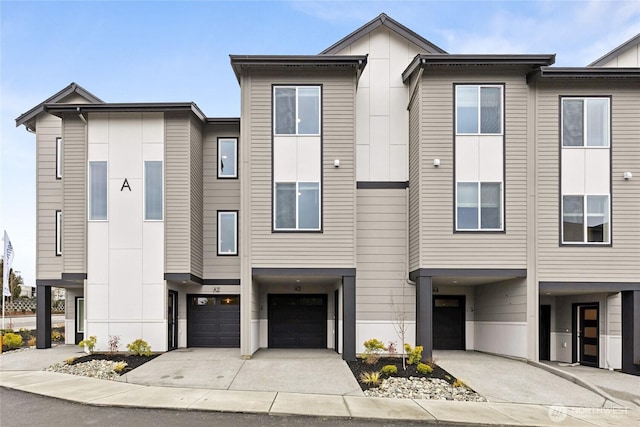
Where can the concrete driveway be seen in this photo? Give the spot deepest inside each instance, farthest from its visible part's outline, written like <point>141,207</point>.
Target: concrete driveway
<point>501,379</point>
<point>292,371</point>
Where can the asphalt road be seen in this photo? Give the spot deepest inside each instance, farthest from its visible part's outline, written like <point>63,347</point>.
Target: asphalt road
<point>19,409</point>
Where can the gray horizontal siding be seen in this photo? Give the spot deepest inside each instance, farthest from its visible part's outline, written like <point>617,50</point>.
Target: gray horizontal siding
<point>501,302</point>
<point>414,179</point>
<point>219,194</point>
<point>196,170</point>
<point>621,261</point>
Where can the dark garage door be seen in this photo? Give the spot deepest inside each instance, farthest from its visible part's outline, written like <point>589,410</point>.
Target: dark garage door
<point>297,321</point>
<point>448,322</point>
<point>213,321</point>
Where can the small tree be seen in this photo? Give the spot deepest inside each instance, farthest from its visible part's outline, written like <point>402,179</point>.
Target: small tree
<point>400,317</point>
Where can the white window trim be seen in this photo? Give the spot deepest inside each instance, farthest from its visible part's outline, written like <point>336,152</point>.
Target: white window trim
<point>584,123</point>
<point>584,220</point>
<point>80,322</point>
<point>297,118</point>
<point>89,191</point>
<point>144,191</point>
<point>275,207</point>
<point>58,233</point>
<point>479,86</point>
<point>235,233</point>
<point>235,153</point>
<point>58,158</point>
<point>501,198</point>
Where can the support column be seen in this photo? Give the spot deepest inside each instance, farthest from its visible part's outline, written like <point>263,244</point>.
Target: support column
<point>43,317</point>
<point>631,332</point>
<point>424,316</point>
<point>348,317</point>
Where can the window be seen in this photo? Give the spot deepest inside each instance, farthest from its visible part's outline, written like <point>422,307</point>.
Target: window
<point>58,158</point>
<point>227,233</point>
<point>296,110</point>
<point>227,158</point>
<point>585,122</point>
<point>97,191</point>
<point>153,193</point>
<point>80,315</point>
<point>479,206</point>
<point>297,206</point>
<point>596,228</point>
<point>478,109</point>
<point>58,233</point>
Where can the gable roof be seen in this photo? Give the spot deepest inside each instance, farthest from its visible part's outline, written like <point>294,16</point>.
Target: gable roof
<point>616,52</point>
<point>393,25</point>
<point>28,118</point>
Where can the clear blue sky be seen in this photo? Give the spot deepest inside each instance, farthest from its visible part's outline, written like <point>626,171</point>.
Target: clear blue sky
<point>178,51</point>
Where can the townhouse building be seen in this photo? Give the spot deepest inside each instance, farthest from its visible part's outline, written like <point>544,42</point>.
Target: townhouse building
<point>382,188</point>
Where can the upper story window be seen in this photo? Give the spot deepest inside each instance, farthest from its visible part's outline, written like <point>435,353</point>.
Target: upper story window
<point>227,157</point>
<point>58,233</point>
<point>297,206</point>
<point>479,109</point>
<point>593,208</point>
<point>585,122</point>
<point>479,206</point>
<point>98,203</point>
<point>153,191</point>
<point>58,158</point>
<point>227,233</point>
<point>296,110</point>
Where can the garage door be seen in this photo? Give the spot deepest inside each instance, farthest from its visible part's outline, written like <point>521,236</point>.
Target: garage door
<point>213,321</point>
<point>448,323</point>
<point>298,321</point>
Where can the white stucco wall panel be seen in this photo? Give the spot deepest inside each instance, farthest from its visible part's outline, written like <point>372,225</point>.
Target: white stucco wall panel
<point>597,164</point>
<point>153,128</point>
<point>508,338</point>
<point>125,214</point>
<point>97,248</point>
<point>125,290</point>
<point>573,171</point>
<point>98,128</point>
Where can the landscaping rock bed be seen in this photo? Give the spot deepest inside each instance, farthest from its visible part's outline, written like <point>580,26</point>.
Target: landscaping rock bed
<point>101,365</point>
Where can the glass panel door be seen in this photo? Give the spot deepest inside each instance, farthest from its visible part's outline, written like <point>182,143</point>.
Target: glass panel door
<point>588,335</point>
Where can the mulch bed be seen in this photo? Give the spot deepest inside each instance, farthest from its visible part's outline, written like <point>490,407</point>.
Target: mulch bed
<point>131,360</point>
<point>359,367</point>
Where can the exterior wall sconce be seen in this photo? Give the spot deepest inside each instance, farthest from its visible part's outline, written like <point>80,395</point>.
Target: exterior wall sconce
<point>627,175</point>
<point>336,163</point>
<point>436,162</point>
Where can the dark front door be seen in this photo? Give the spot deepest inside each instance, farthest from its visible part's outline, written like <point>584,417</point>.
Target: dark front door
<point>544,333</point>
<point>172,320</point>
<point>213,321</point>
<point>297,321</point>
<point>588,335</point>
<point>448,322</point>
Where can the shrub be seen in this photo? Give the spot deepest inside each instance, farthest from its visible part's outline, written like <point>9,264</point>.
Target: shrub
<point>458,383</point>
<point>389,370</point>
<point>414,354</point>
<point>391,348</point>
<point>139,347</point>
<point>114,343</point>
<point>423,368</point>
<point>119,367</point>
<point>70,361</point>
<point>90,343</point>
<point>372,350</point>
<point>32,341</point>
<point>12,341</point>
<point>370,378</point>
<point>56,336</point>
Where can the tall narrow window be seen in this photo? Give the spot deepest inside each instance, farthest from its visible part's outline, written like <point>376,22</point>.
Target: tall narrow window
<point>478,109</point>
<point>585,122</point>
<point>227,158</point>
<point>58,233</point>
<point>297,110</point>
<point>98,207</point>
<point>153,194</point>
<point>479,206</point>
<point>227,233</point>
<point>80,315</point>
<point>58,158</point>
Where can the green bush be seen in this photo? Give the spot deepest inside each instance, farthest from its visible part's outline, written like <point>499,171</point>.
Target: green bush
<point>389,370</point>
<point>89,343</point>
<point>423,368</point>
<point>414,354</point>
<point>12,341</point>
<point>119,367</point>
<point>372,350</point>
<point>139,347</point>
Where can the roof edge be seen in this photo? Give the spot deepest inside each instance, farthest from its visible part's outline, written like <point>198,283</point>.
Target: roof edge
<point>615,52</point>
<point>383,20</point>
<point>127,107</point>
<point>587,72</point>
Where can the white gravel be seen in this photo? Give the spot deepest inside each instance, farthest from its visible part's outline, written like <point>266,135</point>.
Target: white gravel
<point>101,369</point>
<point>423,388</point>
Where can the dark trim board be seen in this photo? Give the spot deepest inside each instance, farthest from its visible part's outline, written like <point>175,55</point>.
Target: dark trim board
<point>382,185</point>
<point>303,272</point>
<point>589,286</point>
<point>59,283</point>
<point>468,272</point>
<point>221,282</point>
<point>183,277</point>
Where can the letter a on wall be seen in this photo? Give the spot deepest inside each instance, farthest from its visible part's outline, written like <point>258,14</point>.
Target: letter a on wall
<point>125,184</point>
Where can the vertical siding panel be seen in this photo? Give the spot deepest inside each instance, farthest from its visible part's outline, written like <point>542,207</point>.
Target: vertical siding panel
<point>178,191</point>
<point>74,211</point>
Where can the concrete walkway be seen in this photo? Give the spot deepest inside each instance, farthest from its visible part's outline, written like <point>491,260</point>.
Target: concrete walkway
<point>277,402</point>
